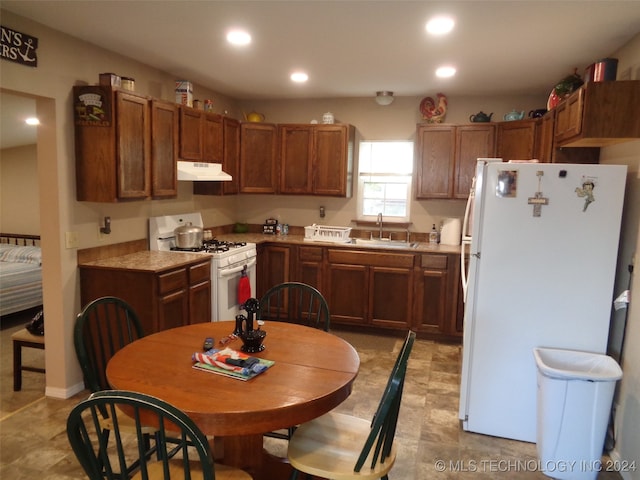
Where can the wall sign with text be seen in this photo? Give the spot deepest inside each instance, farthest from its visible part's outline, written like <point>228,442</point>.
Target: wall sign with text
<point>18,47</point>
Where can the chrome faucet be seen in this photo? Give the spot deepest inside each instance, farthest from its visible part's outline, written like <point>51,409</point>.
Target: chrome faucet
<point>379,223</point>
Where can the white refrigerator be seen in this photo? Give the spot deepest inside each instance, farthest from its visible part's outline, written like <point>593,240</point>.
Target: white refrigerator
<point>542,263</point>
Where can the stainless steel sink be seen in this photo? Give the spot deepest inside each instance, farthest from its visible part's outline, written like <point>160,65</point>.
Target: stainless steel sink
<point>383,243</point>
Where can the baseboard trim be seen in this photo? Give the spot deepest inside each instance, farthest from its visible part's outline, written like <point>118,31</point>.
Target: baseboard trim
<point>64,393</point>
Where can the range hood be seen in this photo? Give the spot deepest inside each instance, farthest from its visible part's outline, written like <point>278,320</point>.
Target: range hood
<point>201,172</point>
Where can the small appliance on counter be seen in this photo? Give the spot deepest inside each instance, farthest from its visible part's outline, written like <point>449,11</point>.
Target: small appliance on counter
<point>269,226</point>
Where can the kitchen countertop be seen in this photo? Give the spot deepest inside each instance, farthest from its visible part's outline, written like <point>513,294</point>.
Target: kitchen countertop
<point>422,247</point>
<point>153,261</point>
<point>146,260</point>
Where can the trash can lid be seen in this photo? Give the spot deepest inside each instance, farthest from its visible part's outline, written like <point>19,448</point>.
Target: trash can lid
<point>576,365</point>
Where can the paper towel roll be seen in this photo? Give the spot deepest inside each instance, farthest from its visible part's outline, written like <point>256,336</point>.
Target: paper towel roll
<point>451,231</point>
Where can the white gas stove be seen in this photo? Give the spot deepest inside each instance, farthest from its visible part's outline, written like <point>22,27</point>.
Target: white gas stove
<point>229,261</point>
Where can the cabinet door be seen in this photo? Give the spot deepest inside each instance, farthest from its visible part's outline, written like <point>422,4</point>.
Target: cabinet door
<point>296,143</point>
<point>434,157</point>
<point>133,158</point>
<point>200,293</point>
<point>432,294</point>
<point>213,138</point>
<point>231,162</point>
<point>472,142</point>
<point>348,288</point>
<point>258,169</point>
<point>333,160</point>
<point>274,263</point>
<point>191,131</point>
<point>545,139</point>
<point>164,144</point>
<point>517,140</point>
<point>309,268</point>
<point>390,297</point>
<point>173,310</point>
<point>200,303</point>
<point>569,117</point>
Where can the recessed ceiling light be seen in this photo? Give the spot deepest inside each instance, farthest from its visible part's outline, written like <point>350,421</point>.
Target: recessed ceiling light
<point>440,25</point>
<point>299,77</point>
<point>445,72</point>
<point>238,37</point>
<point>32,121</point>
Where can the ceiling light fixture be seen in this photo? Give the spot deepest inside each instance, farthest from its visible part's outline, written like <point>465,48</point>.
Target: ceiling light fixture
<point>238,37</point>
<point>299,77</point>
<point>440,25</point>
<point>384,98</point>
<point>445,72</point>
<point>32,121</point>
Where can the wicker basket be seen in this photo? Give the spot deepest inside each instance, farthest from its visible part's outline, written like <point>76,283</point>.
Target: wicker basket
<point>326,233</point>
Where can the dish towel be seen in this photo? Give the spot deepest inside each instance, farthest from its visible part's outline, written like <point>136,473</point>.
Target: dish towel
<point>244,287</point>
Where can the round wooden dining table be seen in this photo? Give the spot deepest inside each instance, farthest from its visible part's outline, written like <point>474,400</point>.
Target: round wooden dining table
<point>313,372</point>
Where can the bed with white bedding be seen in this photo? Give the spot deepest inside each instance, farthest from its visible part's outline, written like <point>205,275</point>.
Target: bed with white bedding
<point>20,273</point>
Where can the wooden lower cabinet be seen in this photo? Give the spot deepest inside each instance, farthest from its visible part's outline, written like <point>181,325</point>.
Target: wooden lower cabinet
<point>373,288</point>
<point>162,300</point>
<point>370,288</point>
<point>437,295</point>
<point>310,266</point>
<point>273,267</point>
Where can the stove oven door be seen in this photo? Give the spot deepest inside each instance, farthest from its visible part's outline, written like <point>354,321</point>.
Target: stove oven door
<point>224,289</point>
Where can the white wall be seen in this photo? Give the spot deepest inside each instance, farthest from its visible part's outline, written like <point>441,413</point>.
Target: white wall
<point>19,195</point>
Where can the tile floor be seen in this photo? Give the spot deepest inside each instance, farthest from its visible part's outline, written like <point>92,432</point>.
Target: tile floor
<point>431,444</point>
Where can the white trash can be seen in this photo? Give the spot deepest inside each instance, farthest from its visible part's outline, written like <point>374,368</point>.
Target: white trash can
<point>575,391</point>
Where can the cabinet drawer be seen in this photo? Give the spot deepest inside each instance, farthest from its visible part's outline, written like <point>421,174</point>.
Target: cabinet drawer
<point>434,261</point>
<point>173,280</point>
<point>311,254</point>
<point>199,273</point>
<point>377,259</point>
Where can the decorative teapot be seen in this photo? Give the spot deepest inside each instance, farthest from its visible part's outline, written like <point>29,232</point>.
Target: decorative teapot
<point>251,339</point>
<point>254,117</point>
<point>480,117</point>
<point>537,113</point>
<point>513,115</point>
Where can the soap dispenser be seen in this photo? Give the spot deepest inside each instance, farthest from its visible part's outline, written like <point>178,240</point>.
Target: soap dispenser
<point>433,235</point>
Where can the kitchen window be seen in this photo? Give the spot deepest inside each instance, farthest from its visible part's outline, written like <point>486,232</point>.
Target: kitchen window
<point>384,180</point>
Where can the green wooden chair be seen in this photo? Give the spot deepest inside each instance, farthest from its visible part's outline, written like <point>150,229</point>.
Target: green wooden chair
<point>343,447</point>
<point>183,450</point>
<point>103,327</point>
<point>295,302</point>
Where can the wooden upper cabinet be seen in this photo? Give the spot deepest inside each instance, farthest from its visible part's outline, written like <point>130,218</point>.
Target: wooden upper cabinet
<point>545,142</point>
<point>191,133</point>
<point>164,149</point>
<point>213,138</point>
<point>230,145</point>
<point>333,160</point>
<point>258,167</point>
<point>133,146</point>
<point>316,159</point>
<point>472,142</point>
<point>296,158</point>
<point>435,153</point>
<point>446,156</point>
<point>113,151</point>
<point>599,114</point>
<point>517,139</point>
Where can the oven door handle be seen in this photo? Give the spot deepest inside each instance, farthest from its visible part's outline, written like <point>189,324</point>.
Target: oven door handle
<point>232,271</point>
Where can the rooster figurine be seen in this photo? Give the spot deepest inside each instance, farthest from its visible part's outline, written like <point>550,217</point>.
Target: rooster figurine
<point>431,112</point>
